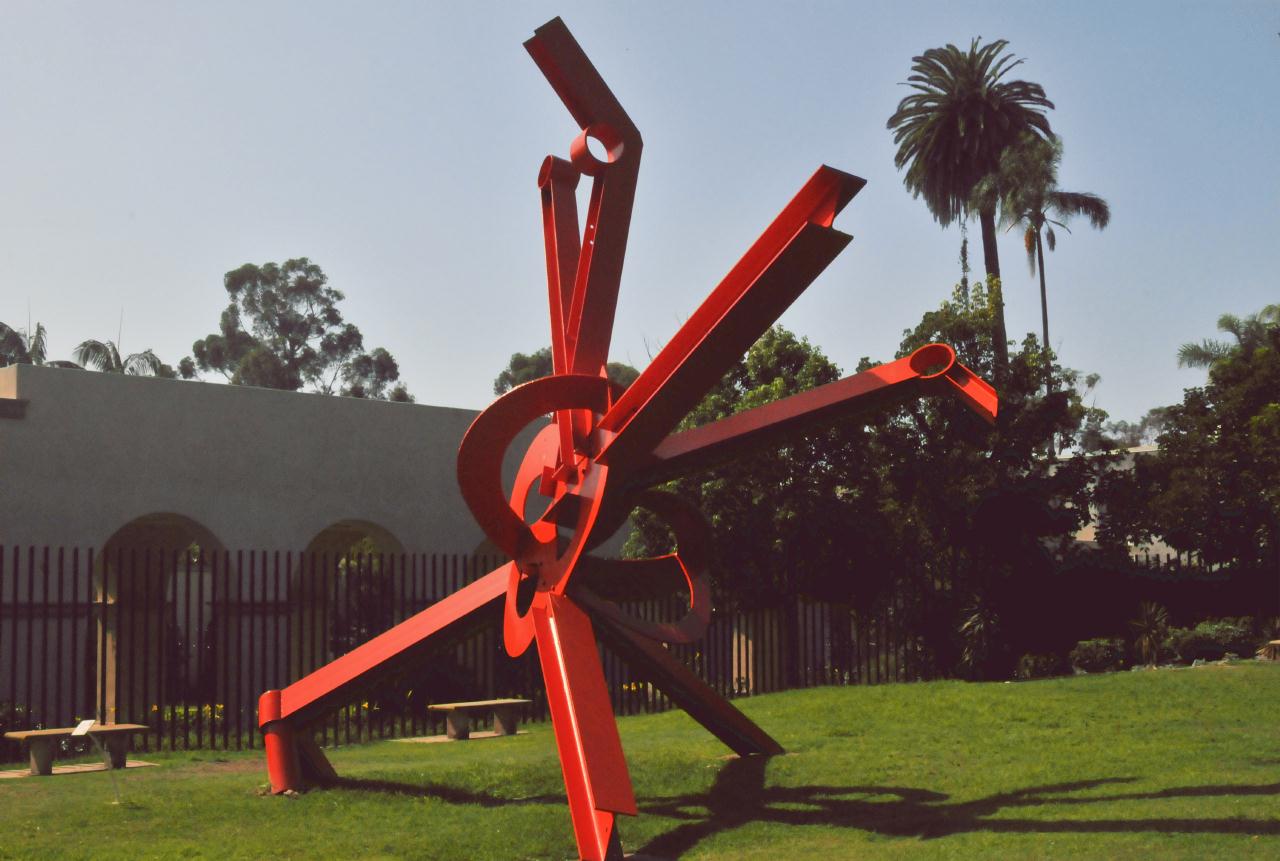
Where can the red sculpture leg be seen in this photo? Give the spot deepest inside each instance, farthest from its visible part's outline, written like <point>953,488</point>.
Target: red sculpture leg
<point>652,662</point>
<point>285,716</point>
<point>595,771</point>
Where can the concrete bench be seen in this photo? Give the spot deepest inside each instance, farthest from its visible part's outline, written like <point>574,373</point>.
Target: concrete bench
<point>457,716</point>
<point>114,737</point>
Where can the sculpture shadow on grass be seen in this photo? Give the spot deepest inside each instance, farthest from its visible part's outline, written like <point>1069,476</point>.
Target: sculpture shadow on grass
<point>443,792</point>
<point>739,797</point>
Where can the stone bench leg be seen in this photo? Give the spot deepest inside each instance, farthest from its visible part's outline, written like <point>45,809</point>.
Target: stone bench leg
<point>505,720</point>
<point>457,725</point>
<point>41,756</point>
<point>117,750</point>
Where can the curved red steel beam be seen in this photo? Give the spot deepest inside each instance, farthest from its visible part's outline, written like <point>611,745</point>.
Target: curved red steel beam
<point>930,370</point>
<point>793,250</point>
<point>602,449</point>
<point>565,65</point>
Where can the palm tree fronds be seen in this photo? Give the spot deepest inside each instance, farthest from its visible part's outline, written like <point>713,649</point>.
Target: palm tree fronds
<point>13,350</point>
<point>1202,355</point>
<point>98,355</point>
<point>143,364</point>
<point>1072,203</point>
<point>105,356</point>
<point>36,345</point>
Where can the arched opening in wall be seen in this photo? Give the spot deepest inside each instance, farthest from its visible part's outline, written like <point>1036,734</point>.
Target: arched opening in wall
<point>350,584</point>
<point>156,631</point>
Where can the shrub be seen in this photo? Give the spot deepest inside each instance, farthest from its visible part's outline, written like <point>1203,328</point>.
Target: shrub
<point>1212,639</point>
<point>1098,656</point>
<point>1187,645</point>
<point>1041,666</point>
<point>13,717</point>
<point>1234,635</point>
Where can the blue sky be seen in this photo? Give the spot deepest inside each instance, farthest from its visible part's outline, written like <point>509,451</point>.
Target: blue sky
<point>150,147</point>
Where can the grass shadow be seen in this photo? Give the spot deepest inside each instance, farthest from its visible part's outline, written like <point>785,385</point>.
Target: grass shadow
<point>740,796</point>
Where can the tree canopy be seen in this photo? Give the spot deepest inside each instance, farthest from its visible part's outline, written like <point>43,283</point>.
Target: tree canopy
<point>283,330</point>
<point>911,498</point>
<point>1213,486</point>
<point>523,368</point>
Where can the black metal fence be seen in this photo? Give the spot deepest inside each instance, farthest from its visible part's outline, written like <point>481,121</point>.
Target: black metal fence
<point>185,641</point>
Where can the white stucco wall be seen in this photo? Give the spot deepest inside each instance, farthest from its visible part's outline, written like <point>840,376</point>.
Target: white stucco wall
<point>258,468</point>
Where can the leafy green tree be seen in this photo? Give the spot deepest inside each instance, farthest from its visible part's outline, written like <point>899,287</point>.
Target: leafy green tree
<point>105,356</point>
<point>952,131</point>
<point>986,512</point>
<point>1213,487</point>
<point>523,368</point>
<point>785,522</point>
<point>295,337</point>
<point>1032,201</point>
<point>922,498</point>
<point>1250,334</point>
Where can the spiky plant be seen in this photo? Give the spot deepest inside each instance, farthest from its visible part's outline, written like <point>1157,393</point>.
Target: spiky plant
<point>1149,631</point>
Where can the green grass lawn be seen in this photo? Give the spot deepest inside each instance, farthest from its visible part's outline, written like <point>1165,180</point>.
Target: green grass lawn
<point>1163,764</point>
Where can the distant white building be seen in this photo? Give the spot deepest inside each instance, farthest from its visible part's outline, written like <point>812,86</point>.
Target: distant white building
<point>1088,535</point>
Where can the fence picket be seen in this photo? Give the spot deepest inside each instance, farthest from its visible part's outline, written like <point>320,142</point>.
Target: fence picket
<point>154,635</point>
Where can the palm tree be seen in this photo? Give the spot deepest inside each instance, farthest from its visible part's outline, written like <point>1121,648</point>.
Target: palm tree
<point>18,347</point>
<point>952,131</point>
<point>1250,333</point>
<point>105,356</point>
<point>1032,200</point>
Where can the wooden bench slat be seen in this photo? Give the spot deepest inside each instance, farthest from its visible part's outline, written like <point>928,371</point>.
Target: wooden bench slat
<point>97,729</point>
<point>41,742</point>
<point>477,704</point>
<point>458,716</point>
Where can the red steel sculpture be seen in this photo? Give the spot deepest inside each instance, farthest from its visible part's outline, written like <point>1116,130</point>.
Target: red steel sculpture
<point>600,456</point>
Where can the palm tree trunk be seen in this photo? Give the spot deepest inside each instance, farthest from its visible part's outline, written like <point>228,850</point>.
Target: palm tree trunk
<point>991,257</point>
<point>1044,316</point>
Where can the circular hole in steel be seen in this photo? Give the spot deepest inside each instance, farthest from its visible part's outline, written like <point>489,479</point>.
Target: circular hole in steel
<point>595,148</point>
<point>932,360</point>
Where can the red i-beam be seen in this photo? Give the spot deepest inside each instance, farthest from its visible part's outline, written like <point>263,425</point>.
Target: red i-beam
<point>597,460</point>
